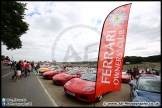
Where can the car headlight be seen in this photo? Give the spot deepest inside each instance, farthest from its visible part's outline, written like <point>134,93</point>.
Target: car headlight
<point>54,77</point>
<point>67,83</point>
<point>88,88</point>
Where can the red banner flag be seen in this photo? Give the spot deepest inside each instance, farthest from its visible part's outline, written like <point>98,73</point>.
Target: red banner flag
<point>111,51</point>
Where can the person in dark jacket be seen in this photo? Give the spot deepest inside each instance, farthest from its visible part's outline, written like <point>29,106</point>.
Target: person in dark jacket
<point>15,73</point>
<point>136,73</point>
<point>37,69</point>
<point>18,69</point>
<point>131,73</point>
<point>32,66</point>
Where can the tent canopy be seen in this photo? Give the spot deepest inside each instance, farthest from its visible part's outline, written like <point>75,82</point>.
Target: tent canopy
<point>5,60</point>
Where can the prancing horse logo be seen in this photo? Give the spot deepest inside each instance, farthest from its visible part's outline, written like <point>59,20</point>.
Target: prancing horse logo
<point>117,18</point>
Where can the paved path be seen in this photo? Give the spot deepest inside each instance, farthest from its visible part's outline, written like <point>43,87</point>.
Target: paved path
<point>30,89</point>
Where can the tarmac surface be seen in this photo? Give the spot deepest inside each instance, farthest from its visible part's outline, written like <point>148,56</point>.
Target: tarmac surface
<point>42,92</point>
<point>28,88</point>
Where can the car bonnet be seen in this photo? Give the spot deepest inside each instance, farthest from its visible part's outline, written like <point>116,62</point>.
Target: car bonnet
<point>149,96</point>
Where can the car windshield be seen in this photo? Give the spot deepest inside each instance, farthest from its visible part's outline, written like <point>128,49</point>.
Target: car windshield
<point>58,70</point>
<point>82,72</point>
<point>89,77</point>
<point>151,85</point>
<point>72,72</point>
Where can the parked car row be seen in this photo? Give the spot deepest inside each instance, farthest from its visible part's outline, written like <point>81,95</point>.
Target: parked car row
<point>81,85</point>
<point>62,78</point>
<point>50,73</point>
<point>76,82</point>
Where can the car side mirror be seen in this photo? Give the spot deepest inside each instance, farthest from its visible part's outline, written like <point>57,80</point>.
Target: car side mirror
<point>131,84</point>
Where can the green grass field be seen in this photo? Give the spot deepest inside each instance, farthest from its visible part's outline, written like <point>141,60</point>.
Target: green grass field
<point>143,65</point>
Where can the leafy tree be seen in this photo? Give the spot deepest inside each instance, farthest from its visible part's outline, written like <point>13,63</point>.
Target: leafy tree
<point>7,58</point>
<point>2,57</point>
<point>12,24</point>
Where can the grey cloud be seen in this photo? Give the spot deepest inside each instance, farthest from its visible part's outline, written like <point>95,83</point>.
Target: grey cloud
<point>51,24</point>
<point>143,32</point>
<point>139,48</point>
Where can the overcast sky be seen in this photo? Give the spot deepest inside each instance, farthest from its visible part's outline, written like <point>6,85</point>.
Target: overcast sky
<point>61,29</point>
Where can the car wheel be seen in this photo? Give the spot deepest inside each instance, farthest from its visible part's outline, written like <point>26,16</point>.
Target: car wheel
<point>99,98</point>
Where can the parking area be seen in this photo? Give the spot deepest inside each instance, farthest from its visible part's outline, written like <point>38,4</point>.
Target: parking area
<point>61,99</point>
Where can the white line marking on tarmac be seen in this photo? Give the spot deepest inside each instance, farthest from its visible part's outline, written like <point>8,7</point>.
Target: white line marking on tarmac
<point>54,103</point>
<point>6,74</point>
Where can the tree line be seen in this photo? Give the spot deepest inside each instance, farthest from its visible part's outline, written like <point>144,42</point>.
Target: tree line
<point>3,57</point>
<point>131,59</point>
<point>138,59</point>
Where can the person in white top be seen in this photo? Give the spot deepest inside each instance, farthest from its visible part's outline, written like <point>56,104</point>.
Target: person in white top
<point>153,71</point>
<point>25,62</point>
<point>10,64</point>
<point>29,69</point>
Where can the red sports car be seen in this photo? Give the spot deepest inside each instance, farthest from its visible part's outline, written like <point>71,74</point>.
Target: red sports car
<point>83,88</point>
<point>43,71</point>
<point>62,78</point>
<point>50,74</point>
<point>125,77</point>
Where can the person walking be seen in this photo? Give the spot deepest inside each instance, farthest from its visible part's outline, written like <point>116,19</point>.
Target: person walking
<point>10,64</point>
<point>32,66</point>
<point>136,73</point>
<point>37,69</point>
<point>131,73</point>
<point>18,69</point>
<point>15,72</point>
<point>26,68</point>
<point>23,69</point>
<point>153,71</point>
<point>29,69</point>
<point>147,71</point>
